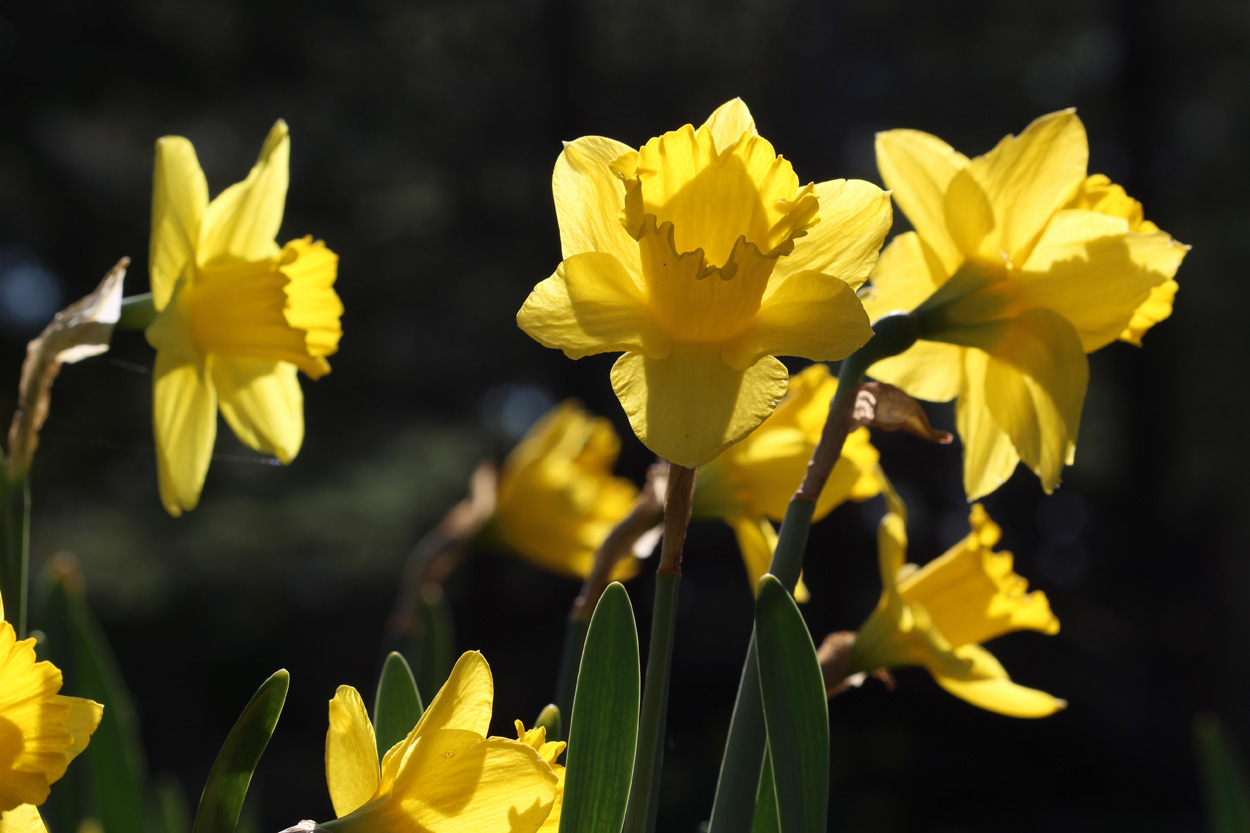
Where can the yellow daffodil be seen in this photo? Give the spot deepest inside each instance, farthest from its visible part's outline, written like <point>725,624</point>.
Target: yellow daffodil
<point>557,499</point>
<point>751,483</point>
<point>701,258</point>
<point>549,752</point>
<point>446,776</point>
<point>238,315</point>
<point>937,615</point>
<point>41,731</point>
<point>1019,265</point>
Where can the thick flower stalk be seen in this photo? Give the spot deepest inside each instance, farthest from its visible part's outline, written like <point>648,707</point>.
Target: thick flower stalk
<point>1020,264</point>
<point>750,485</point>
<point>937,615</point>
<point>701,258</point>
<point>446,776</point>
<point>557,499</point>
<point>238,315</point>
<point>41,731</point>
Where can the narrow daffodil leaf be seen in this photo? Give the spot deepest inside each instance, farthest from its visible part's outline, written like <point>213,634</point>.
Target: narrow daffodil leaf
<point>605,720</point>
<point>1224,781</point>
<point>111,772</point>
<point>432,655</point>
<point>231,774</point>
<point>766,820</point>
<point>397,707</point>
<point>796,712</point>
<point>549,719</point>
<point>172,810</point>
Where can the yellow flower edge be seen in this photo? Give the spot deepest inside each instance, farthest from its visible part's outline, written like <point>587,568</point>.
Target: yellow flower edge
<point>937,615</point>
<point>446,776</point>
<point>238,315</point>
<point>701,258</point>
<point>557,499</point>
<point>1019,265</point>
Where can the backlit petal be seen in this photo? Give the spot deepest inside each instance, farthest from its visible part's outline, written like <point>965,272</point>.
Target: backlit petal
<point>929,370</point>
<point>592,304</point>
<point>185,422</point>
<point>907,273</point>
<point>918,167</point>
<point>352,771</point>
<point>179,197</point>
<point>729,122</point>
<point>589,198</point>
<point>1030,177</point>
<point>312,306</point>
<point>244,219</point>
<point>1157,307</point>
<point>689,407</point>
<point>262,401</point>
<point>855,217</point>
<point>986,684</point>
<point>464,701</point>
<point>22,819</point>
<point>989,456</point>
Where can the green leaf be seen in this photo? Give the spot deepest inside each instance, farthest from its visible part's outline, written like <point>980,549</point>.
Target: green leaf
<point>232,771</point>
<point>431,655</point>
<point>111,773</point>
<point>397,707</point>
<point>766,820</point>
<point>549,719</point>
<point>173,814</point>
<point>1223,777</point>
<point>796,712</point>
<point>605,720</point>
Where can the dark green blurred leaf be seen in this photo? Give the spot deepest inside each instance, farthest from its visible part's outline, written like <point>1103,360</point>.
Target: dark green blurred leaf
<point>549,719</point>
<point>432,654</point>
<point>397,706</point>
<point>112,768</point>
<point>173,813</point>
<point>796,711</point>
<point>232,771</point>
<point>605,720</point>
<point>766,820</point>
<point>1223,777</point>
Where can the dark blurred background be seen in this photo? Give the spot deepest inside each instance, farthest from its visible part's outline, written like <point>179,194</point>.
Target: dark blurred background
<point>423,136</point>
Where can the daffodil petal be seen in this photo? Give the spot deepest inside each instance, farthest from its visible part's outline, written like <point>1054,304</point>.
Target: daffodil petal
<point>262,402</point>
<point>1157,307</point>
<point>312,305</point>
<point>729,122</point>
<point>905,276</point>
<point>1035,387</point>
<point>185,424</point>
<point>930,370</point>
<point>352,771</point>
<point>453,781</point>
<point>987,685</point>
<point>989,456</point>
<point>969,216</point>
<point>179,198</point>
<point>853,477</point>
<point>804,314</point>
<point>589,196</point>
<point>81,722</point>
<point>592,304</point>
<point>244,219</point>
<point>917,167</point>
<point>855,217</point>
<point>24,818</point>
<point>1092,271</point>
<point>1031,176</point>
<point>464,701</point>
<point>690,406</point>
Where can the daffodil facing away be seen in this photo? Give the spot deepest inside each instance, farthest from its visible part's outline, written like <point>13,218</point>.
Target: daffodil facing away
<point>751,483</point>
<point>238,314</point>
<point>41,731</point>
<point>701,258</point>
<point>1019,265</point>
<point>446,776</point>
<point>557,499</point>
<point>937,615</point>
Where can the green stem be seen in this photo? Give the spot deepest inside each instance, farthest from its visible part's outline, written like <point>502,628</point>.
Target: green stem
<point>138,312</point>
<point>570,662</point>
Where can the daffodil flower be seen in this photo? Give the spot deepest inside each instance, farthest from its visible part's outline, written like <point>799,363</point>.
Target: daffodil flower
<point>41,731</point>
<point>701,258</point>
<point>750,485</point>
<point>556,499</point>
<point>446,776</point>
<point>937,615</point>
<point>1019,265</point>
<point>238,315</point>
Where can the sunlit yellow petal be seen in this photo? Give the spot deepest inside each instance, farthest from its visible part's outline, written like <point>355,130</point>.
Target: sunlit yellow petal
<point>589,196</point>
<point>804,314</point>
<point>986,684</point>
<point>243,220</point>
<point>929,370</point>
<point>352,771</point>
<point>179,198</point>
<point>22,819</point>
<point>690,406</point>
<point>917,168</point>
<point>1157,307</point>
<point>907,273</point>
<point>729,122</point>
<point>464,701</point>
<point>262,401</point>
<point>1031,176</point>
<point>970,221</point>
<point>185,423</point>
<point>312,306</point>
<point>592,304</point>
<point>989,457</point>
<point>855,217</point>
